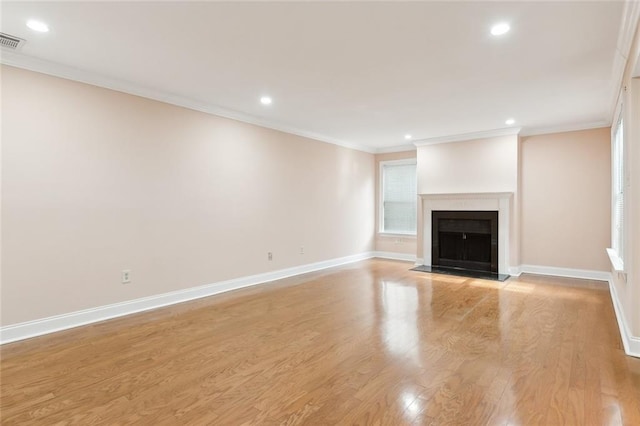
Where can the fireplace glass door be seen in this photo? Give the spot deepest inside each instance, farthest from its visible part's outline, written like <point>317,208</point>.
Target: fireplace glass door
<point>465,239</point>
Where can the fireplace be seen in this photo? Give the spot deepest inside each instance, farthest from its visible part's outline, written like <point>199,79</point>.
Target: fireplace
<point>501,202</point>
<point>466,240</point>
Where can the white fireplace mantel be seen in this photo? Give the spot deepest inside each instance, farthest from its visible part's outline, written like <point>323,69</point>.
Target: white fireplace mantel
<point>489,201</point>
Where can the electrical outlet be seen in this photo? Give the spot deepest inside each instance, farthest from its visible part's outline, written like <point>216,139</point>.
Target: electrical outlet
<point>126,276</point>
<point>269,256</point>
<point>301,249</point>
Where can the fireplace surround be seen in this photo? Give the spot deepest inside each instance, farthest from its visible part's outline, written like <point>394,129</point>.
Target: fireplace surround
<point>500,202</point>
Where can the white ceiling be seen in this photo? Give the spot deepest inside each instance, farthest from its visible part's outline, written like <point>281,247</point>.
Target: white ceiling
<point>354,73</point>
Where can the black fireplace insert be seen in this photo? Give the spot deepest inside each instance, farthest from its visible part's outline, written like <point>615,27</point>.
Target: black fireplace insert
<point>466,240</point>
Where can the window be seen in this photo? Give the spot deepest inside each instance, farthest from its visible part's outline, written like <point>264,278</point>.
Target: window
<point>618,178</point>
<point>398,212</point>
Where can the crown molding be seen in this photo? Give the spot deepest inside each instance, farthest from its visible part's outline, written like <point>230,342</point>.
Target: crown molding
<point>55,69</point>
<point>628,27</point>
<point>564,128</point>
<point>635,55</point>
<point>623,54</point>
<point>396,148</point>
<point>507,131</point>
<point>63,71</point>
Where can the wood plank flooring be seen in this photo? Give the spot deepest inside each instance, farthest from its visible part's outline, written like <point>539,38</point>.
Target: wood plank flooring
<point>370,343</point>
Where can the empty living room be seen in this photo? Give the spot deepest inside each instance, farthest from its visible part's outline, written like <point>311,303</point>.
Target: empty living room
<point>320,212</point>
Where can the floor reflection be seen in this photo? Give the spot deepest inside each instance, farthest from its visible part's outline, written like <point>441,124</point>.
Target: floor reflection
<point>412,405</point>
<point>400,329</point>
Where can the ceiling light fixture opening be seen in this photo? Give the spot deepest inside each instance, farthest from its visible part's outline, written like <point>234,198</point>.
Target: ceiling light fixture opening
<point>510,121</point>
<point>408,137</point>
<point>266,100</point>
<point>38,26</point>
<point>500,29</point>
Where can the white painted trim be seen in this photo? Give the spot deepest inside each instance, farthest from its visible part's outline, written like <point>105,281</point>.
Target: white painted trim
<point>616,262</point>
<point>395,256</point>
<point>18,60</point>
<point>25,330</point>
<point>507,131</point>
<point>465,195</point>
<point>396,148</point>
<point>630,342</point>
<point>622,55</point>
<point>515,271</point>
<point>488,201</point>
<point>419,261</point>
<point>628,28</point>
<point>585,274</point>
<point>391,235</point>
<point>635,55</point>
<point>16,332</point>
<point>564,128</point>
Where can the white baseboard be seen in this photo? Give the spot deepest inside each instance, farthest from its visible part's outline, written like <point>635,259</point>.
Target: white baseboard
<point>563,272</point>
<point>394,256</point>
<point>630,342</point>
<point>515,271</point>
<point>419,261</point>
<point>25,330</point>
<point>13,333</point>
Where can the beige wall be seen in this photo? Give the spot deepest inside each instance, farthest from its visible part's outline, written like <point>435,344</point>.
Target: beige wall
<point>95,181</point>
<point>484,165</point>
<point>402,244</point>
<point>566,193</point>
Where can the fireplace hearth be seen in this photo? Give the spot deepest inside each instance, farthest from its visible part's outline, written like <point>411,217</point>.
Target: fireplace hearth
<point>465,240</point>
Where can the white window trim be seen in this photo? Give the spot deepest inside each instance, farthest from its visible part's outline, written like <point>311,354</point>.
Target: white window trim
<point>412,236</point>
<point>616,259</point>
<point>381,231</point>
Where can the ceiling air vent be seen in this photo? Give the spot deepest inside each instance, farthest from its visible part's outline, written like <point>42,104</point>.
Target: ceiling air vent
<point>10,42</point>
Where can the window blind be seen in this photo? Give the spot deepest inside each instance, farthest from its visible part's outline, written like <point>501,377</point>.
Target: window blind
<point>399,194</point>
<point>617,240</point>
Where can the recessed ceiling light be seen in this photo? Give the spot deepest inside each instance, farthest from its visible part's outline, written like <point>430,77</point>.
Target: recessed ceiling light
<point>408,137</point>
<point>509,122</point>
<point>499,29</point>
<point>266,100</point>
<point>38,26</point>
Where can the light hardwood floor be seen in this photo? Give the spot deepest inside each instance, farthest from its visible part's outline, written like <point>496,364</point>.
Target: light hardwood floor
<point>368,343</point>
